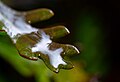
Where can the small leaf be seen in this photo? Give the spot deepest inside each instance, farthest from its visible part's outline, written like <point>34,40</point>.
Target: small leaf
<point>56,31</point>
<point>69,50</point>
<point>38,15</point>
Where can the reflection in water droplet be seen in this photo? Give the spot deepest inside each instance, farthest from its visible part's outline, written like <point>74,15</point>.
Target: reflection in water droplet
<point>54,55</point>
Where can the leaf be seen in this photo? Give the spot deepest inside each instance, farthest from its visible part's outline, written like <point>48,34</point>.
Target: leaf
<point>38,15</point>
<point>33,43</point>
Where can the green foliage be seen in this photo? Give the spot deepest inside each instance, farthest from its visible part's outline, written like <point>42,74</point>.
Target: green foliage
<point>91,36</point>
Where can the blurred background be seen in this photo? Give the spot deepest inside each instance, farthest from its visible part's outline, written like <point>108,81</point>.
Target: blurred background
<point>94,30</point>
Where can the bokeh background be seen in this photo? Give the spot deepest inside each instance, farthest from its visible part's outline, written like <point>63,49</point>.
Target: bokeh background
<point>94,30</point>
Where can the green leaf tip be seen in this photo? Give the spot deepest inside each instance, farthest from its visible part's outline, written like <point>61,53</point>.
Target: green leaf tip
<point>38,15</point>
<point>56,31</point>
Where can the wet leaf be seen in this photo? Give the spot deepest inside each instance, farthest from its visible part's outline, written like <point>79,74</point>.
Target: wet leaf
<point>38,15</point>
<point>56,31</point>
<point>33,43</point>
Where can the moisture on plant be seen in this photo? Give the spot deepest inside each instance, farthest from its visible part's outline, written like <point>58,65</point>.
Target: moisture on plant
<point>33,43</point>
